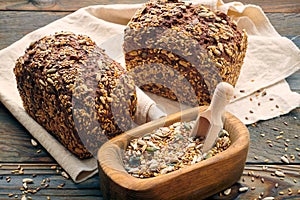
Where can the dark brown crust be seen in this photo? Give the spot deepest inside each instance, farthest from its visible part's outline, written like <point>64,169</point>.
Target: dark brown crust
<point>70,87</point>
<point>204,47</point>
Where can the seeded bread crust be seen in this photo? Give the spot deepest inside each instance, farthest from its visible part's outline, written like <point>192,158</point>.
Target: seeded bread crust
<point>170,40</point>
<point>75,91</point>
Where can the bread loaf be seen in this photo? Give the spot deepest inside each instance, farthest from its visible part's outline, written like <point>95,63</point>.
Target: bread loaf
<point>182,51</point>
<point>75,91</point>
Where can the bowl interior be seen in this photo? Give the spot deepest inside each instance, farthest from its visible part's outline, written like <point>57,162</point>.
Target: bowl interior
<point>204,178</point>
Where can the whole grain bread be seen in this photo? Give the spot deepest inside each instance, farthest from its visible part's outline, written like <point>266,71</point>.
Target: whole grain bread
<point>182,51</point>
<point>75,91</point>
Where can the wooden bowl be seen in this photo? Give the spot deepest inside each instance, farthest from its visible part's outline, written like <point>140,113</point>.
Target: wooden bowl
<point>197,181</point>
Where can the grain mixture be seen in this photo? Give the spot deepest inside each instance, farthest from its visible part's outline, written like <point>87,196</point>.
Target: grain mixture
<point>168,149</point>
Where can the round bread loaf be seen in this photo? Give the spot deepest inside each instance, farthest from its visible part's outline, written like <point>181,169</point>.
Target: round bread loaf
<point>75,91</point>
<point>182,51</point>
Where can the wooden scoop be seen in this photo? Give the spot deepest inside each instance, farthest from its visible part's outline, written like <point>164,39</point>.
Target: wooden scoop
<point>209,123</point>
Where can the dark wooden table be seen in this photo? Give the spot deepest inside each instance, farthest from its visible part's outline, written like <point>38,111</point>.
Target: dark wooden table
<point>270,139</point>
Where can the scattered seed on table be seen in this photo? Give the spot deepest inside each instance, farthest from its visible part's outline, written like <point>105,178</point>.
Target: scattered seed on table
<point>23,197</point>
<point>65,175</point>
<point>33,142</point>
<point>279,137</point>
<point>262,180</point>
<point>276,185</point>
<point>61,185</point>
<point>293,157</point>
<point>281,193</point>
<point>39,151</point>
<point>10,195</point>
<point>25,186</point>
<point>275,129</point>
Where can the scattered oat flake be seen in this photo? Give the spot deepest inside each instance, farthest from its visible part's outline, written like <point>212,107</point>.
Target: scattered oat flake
<point>243,189</point>
<point>268,198</point>
<point>242,91</point>
<point>279,173</point>
<point>227,192</point>
<point>284,159</point>
<point>27,180</point>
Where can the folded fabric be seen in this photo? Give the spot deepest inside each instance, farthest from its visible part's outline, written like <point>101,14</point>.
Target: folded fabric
<point>261,72</point>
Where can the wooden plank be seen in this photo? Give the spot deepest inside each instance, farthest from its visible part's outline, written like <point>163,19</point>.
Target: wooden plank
<point>15,141</point>
<point>252,178</point>
<point>58,5</point>
<point>64,5</point>
<point>274,6</point>
<point>15,25</point>
<point>271,139</point>
<point>286,24</point>
<point>44,174</point>
<point>18,24</point>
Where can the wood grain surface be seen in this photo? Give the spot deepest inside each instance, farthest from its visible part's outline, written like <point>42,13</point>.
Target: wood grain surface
<point>18,18</point>
<point>58,5</point>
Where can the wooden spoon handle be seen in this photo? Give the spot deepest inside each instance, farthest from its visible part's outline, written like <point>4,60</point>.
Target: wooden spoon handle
<point>222,95</point>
